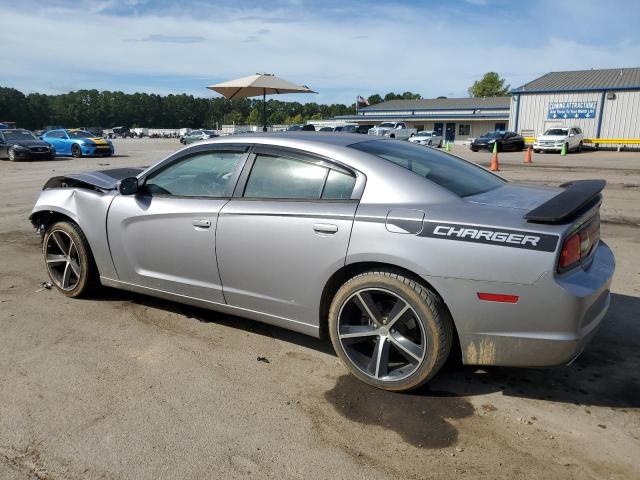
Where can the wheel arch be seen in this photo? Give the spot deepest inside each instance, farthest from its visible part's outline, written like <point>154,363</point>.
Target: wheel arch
<point>42,219</point>
<point>350,270</point>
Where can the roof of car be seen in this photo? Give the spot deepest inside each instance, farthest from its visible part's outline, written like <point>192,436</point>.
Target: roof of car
<point>611,78</point>
<point>331,138</point>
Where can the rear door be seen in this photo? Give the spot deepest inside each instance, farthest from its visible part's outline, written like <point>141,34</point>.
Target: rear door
<point>285,232</point>
<point>163,238</point>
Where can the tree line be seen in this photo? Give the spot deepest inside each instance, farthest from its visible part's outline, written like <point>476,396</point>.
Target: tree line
<point>93,108</point>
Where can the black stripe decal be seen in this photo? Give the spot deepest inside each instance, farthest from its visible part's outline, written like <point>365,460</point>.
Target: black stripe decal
<point>491,236</point>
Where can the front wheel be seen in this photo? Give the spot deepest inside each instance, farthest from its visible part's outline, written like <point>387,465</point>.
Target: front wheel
<point>76,151</point>
<point>12,155</point>
<point>68,259</point>
<point>579,149</point>
<point>390,331</point>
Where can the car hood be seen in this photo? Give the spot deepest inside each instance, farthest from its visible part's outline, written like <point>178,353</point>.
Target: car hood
<point>552,137</point>
<point>28,143</point>
<point>99,179</point>
<point>515,196</point>
<point>95,140</point>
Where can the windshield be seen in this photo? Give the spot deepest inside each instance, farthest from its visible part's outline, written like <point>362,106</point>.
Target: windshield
<point>80,134</point>
<point>456,175</point>
<point>496,134</point>
<point>557,131</point>
<point>387,125</point>
<point>18,135</point>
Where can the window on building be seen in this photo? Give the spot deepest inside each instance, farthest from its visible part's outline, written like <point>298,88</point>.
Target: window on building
<point>464,129</point>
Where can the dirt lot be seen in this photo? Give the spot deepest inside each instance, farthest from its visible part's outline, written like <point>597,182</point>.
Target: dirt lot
<point>127,386</point>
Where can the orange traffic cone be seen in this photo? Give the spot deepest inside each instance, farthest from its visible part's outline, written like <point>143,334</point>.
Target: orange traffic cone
<point>494,160</point>
<point>527,155</point>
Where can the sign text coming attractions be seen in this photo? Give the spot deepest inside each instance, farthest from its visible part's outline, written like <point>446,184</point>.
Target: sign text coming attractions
<point>561,110</point>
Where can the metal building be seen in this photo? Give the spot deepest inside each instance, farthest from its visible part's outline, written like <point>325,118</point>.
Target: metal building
<point>604,103</point>
<point>459,119</point>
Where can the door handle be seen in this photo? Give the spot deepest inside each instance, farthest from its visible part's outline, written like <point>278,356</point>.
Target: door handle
<point>201,223</point>
<point>327,228</point>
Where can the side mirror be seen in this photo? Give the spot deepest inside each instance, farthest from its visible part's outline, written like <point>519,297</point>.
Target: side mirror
<point>128,186</point>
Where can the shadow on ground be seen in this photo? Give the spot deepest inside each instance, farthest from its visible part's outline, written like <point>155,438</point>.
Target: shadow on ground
<point>606,374</point>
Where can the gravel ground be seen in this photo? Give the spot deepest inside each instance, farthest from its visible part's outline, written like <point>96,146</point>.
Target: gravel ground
<point>128,386</point>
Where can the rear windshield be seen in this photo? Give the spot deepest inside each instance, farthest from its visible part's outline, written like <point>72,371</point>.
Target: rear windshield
<point>456,175</point>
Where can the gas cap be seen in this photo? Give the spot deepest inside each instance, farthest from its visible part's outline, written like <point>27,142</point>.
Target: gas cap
<point>401,220</point>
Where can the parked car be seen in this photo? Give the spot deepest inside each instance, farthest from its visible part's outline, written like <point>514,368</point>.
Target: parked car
<point>325,129</point>
<point>294,128</point>
<point>122,132</point>
<point>301,128</point>
<point>507,141</point>
<point>395,250</point>
<point>428,138</point>
<point>16,144</point>
<point>197,135</point>
<point>555,138</point>
<point>78,143</point>
<point>363,129</point>
<point>397,130</point>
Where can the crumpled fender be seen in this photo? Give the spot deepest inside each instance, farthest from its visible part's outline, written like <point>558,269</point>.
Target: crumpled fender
<point>99,180</point>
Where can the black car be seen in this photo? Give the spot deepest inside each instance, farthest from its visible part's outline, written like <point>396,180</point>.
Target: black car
<point>507,141</point>
<point>17,144</point>
<point>353,128</point>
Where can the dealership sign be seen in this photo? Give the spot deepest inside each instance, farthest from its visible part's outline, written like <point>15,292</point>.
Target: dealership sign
<point>571,110</point>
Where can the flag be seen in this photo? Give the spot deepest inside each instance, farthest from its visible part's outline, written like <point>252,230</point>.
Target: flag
<point>362,101</point>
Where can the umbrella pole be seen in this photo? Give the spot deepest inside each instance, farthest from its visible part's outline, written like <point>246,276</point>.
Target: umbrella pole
<point>264,109</point>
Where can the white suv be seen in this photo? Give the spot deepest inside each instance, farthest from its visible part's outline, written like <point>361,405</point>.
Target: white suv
<point>556,137</point>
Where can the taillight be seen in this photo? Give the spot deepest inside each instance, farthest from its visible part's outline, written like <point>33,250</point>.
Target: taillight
<point>579,244</point>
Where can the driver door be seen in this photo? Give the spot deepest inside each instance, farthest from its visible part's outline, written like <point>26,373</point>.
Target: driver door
<point>163,237</point>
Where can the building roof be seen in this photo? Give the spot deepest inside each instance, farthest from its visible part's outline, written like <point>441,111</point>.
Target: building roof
<point>584,80</point>
<point>442,104</point>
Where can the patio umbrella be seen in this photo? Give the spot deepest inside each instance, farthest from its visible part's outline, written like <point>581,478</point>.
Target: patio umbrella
<point>258,84</point>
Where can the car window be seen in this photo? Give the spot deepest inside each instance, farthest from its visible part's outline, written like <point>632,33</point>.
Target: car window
<point>339,186</point>
<point>282,177</point>
<point>456,175</point>
<point>202,175</point>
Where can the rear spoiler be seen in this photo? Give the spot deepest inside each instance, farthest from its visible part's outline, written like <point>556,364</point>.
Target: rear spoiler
<point>577,197</point>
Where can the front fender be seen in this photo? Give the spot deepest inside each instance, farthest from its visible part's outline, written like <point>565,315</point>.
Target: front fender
<point>88,209</point>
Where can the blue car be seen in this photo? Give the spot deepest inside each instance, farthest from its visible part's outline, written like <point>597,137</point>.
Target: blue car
<point>77,143</point>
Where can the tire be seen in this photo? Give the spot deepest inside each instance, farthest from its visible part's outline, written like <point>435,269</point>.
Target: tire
<point>425,329</point>
<point>11,154</point>
<point>70,266</point>
<point>474,149</point>
<point>536,151</point>
<point>76,151</point>
<point>393,135</point>
<point>579,149</point>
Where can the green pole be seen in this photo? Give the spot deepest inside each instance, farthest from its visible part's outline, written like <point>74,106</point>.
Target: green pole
<point>563,152</point>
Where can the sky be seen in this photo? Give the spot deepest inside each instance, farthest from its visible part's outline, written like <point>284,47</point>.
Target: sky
<point>338,48</point>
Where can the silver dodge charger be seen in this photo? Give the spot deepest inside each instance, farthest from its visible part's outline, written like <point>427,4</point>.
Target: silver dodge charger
<point>396,252</point>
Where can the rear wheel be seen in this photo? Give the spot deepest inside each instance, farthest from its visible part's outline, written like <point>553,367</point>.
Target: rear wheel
<point>76,151</point>
<point>390,331</point>
<point>68,259</point>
